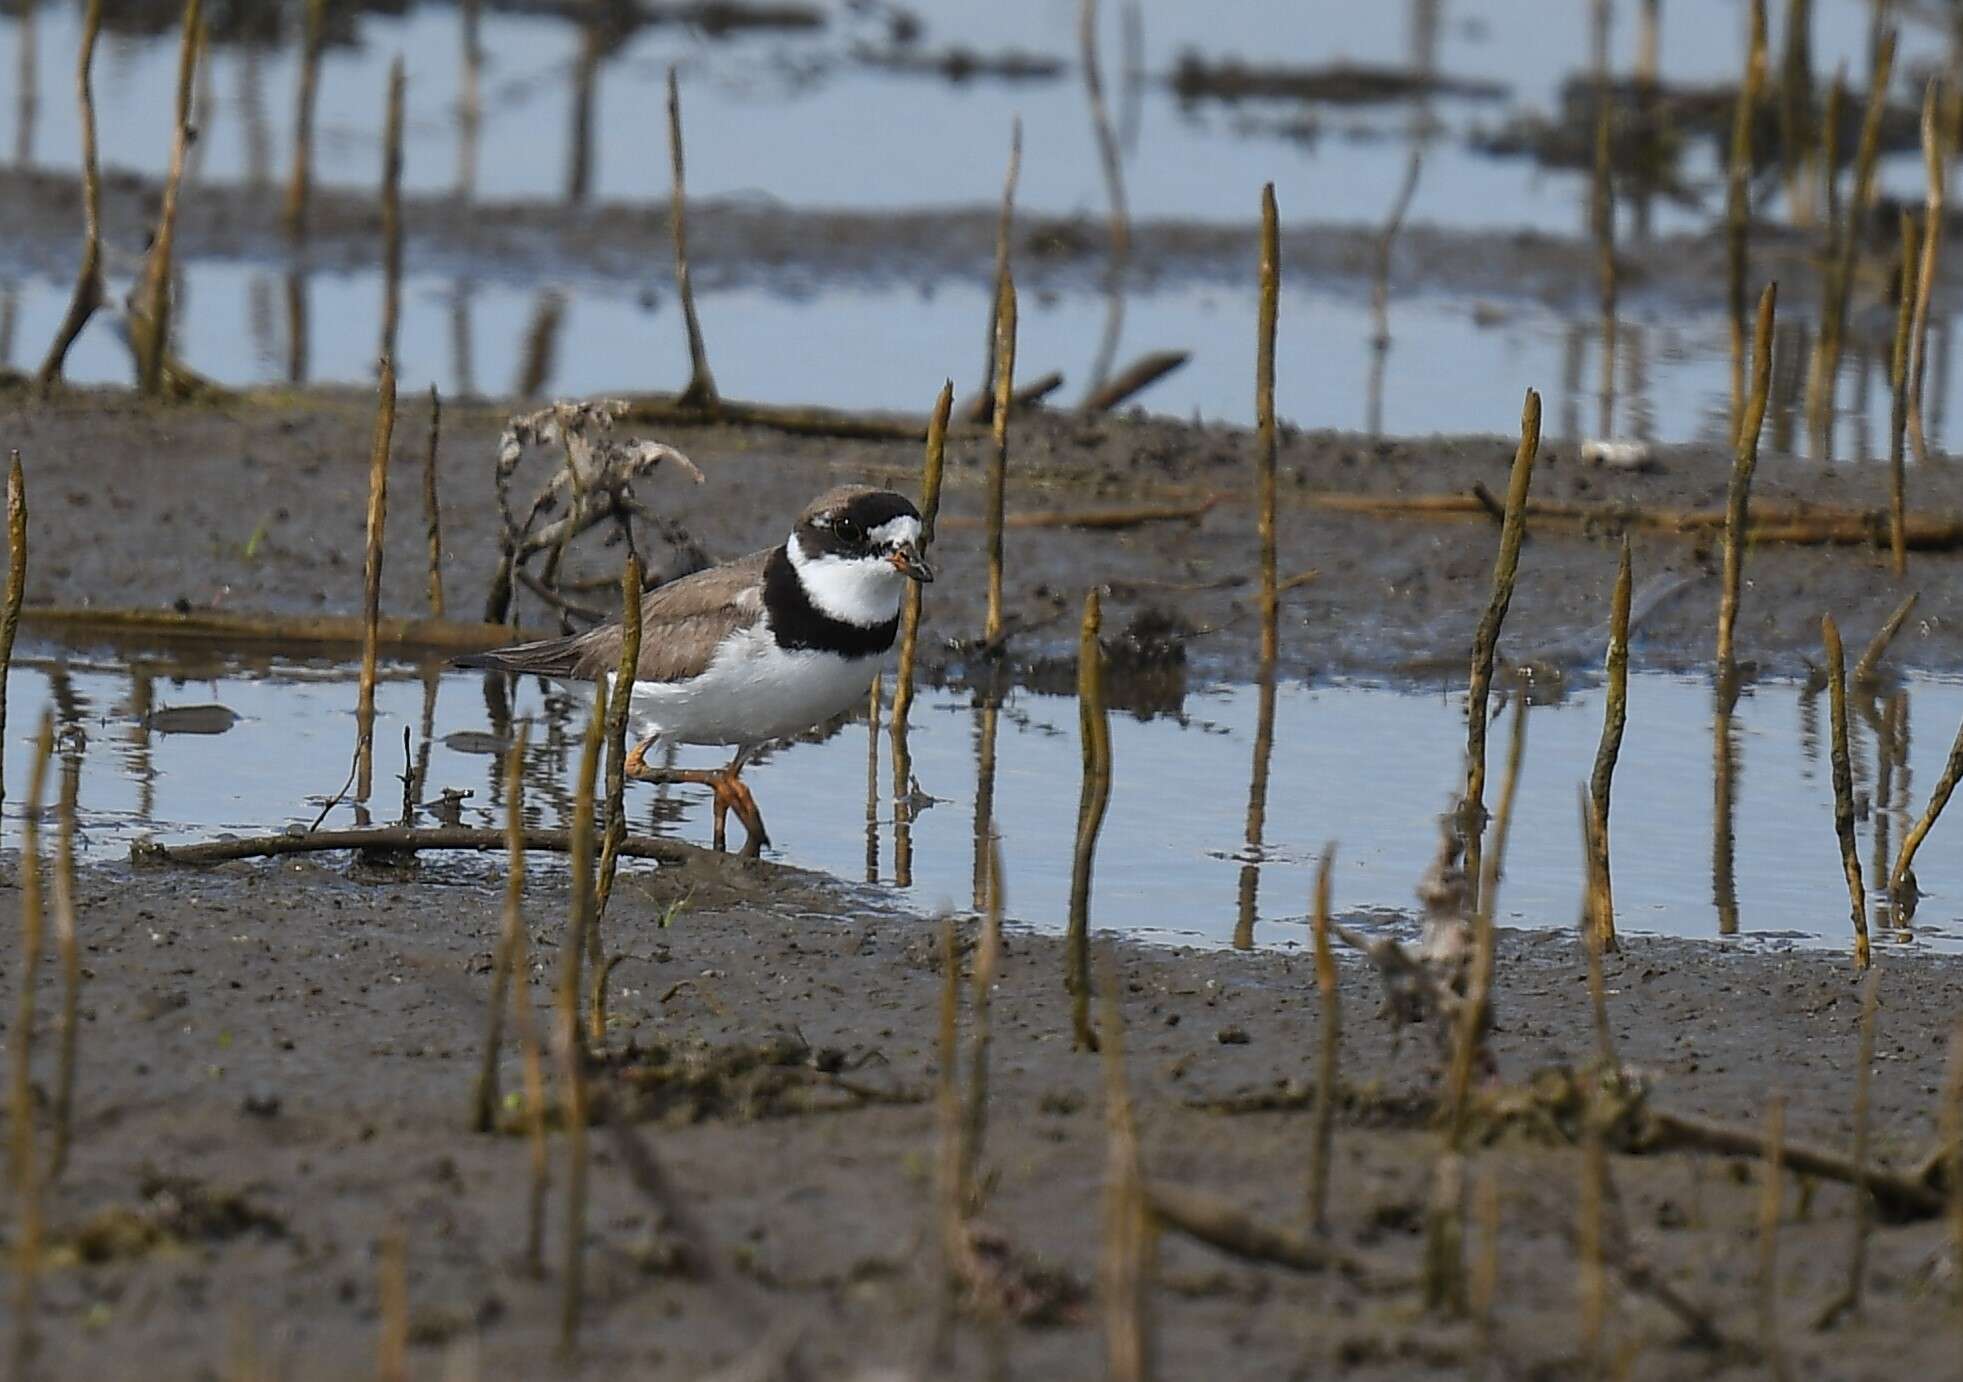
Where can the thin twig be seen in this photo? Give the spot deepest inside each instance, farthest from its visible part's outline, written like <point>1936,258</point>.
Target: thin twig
<point>371,573</point>
<point>149,312</point>
<point>392,210</point>
<point>1898,372</point>
<point>432,511</point>
<point>1744,461</point>
<point>16,583</point>
<point>1264,415</point>
<point>619,709</point>
<point>1615,717</point>
<point>1934,164</point>
<point>1140,375</point>
<point>1771,1209</point>
<point>572,1054</point>
<point>1329,993</point>
<point>982,409</point>
<point>511,936</point>
<point>1901,882</point>
<point>998,463</point>
<point>1870,663</point>
<point>300,182</point>
<point>68,944</point>
<point>1738,205</point>
<point>1114,187</point>
<point>910,607</point>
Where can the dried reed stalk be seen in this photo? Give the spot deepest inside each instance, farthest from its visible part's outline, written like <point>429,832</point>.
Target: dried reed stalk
<point>998,462</point>
<point>930,507</point>
<point>1898,372</point>
<point>1114,187</point>
<point>299,185</point>
<point>701,392</point>
<point>1483,1293</point>
<point>432,511</point>
<point>371,575</point>
<point>1442,1274</point>
<point>149,309</point>
<point>392,1292</point>
<point>1771,1209</point>
<point>68,944</point>
<point>1745,460</point>
<point>1843,789</point>
<point>1591,939</point>
<point>530,1048</point>
<point>950,1201</point>
<point>982,409</point>
<point>987,960</point>
<point>1264,414</point>
<point>470,107</point>
<point>572,1054</point>
<point>511,937</point>
<point>1738,205</point>
<point>22,1169</point>
<point>1592,1240</point>
<point>16,582</point>
<point>619,706</point>
<point>88,281</point>
<point>1849,1301</point>
<point>1125,1278</point>
<point>1615,717</point>
<point>1901,882</point>
<point>392,211</point>
<point>1796,105</point>
<point>1094,730</point>
<point>1485,642</point>
<point>1329,993</point>
<point>1934,161</point>
<point>1869,666</point>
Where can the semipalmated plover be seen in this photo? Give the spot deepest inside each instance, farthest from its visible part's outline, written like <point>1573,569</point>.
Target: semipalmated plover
<point>755,649</point>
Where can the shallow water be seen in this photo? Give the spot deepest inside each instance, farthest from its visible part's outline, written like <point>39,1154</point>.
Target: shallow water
<point>1366,765</point>
<point>795,118</point>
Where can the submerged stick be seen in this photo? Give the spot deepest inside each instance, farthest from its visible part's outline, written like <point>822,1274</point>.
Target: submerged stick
<point>1485,641</point>
<point>1330,995</point>
<point>1738,495</point>
<point>68,945</point>
<point>998,463</point>
<point>701,390</point>
<point>88,293</point>
<point>300,183</point>
<point>149,309</point>
<point>511,936</point>
<point>432,513</point>
<point>1264,414</point>
<point>1933,165</point>
<point>1771,1207</point>
<point>22,1169</point>
<point>371,572</point>
<point>1615,718</point>
<point>1870,663</point>
<point>1125,1278</point>
<point>1898,372</point>
<point>1738,205</point>
<point>392,211</point>
<point>1094,731</point>
<point>16,584</point>
<point>1843,789</point>
<point>572,1054</point>
<point>619,705</point>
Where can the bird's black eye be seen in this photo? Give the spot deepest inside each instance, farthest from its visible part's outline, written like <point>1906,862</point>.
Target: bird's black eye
<point>850,533</point>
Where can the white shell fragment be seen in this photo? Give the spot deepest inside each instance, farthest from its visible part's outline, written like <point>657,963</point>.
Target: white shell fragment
<point>1619,455</point>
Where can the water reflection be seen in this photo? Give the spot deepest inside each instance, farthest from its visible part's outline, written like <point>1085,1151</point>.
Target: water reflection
<point>1362,763</point>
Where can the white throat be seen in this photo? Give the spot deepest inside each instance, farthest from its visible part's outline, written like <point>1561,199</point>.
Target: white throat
<point>862,591</point>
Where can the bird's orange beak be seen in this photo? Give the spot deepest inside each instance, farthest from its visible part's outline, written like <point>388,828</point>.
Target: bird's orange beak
<point>908,562</point>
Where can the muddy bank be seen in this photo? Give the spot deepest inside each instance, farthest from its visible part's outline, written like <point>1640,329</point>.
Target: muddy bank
<point>259,505</point>
<point>741,243</point>
<point>276,1071</point>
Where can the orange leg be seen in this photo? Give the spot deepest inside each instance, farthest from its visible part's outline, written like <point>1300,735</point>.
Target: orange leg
<point>730,794</point>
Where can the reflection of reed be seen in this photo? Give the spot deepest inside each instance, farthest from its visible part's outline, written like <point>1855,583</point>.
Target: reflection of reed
<point>88,280</point>
<point>1114,186</point>
<point>1094,729</point>
<point>252,120</point>
<point>1380,293</point>
<point>462,368</point>
<point>296,325</point>
<point>984,793</point>
<point>1724,883</point>
<point>28,98</point>
<point>535,367</point>
<point>470,112</point>
<point>579,138</point>
<point>1257,810</point>
<point>930,507</point>
<point>392,211</point>
<point>300,180</point>
<point>872,779</point>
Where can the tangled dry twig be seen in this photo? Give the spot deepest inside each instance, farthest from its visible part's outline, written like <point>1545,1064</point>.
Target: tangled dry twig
<point>593,486</point>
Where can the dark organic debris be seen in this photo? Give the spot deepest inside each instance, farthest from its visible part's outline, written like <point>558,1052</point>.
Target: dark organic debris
<point>176,1211</point>
<point>960,64</point>
<point>1340,83</point>
<point>192,719</point>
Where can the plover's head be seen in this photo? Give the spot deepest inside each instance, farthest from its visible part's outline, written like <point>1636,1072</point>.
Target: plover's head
<point>855,549</point>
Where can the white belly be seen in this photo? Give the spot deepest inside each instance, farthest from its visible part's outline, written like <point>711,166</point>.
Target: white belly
<point>753,691</point>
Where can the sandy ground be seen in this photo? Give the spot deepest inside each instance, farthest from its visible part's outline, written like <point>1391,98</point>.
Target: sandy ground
<point>276,1072</point>
<point>277,1060</point>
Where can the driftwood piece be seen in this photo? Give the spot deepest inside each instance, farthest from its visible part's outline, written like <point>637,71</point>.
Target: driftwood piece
<point>397,838</point>
<point>1104,519</point>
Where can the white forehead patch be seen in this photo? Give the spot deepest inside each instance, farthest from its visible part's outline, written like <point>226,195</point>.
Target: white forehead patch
<point>894,531</point>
